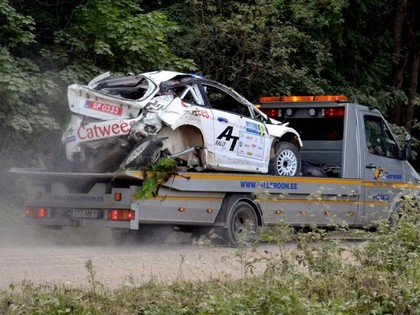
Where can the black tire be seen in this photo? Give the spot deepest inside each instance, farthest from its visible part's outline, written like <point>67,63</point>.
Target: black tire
<point>144,153</point>
<point>242,225</point>
<point>286,160</point>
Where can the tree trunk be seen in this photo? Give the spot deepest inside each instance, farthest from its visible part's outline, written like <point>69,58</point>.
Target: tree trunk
<point>412,91</point>
<point>400,57</point>
<point>413,27</point>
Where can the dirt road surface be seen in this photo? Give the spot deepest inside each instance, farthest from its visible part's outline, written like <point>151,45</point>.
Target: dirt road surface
<point>58,257</point>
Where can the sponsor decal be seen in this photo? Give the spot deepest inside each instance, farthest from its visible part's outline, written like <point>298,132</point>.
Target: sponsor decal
<point>381,197</point>
<point>250,146</point>
<point>255,128</point>
<point>77,198</point>
<point>269,185</point>
<point>381,173</point>
<point>191,119</point>
<point>106,129</point>
<point>105,108</point>
<point>227,136</point>
<point>171,112</point>
<point>247,143</point>
<point>261,129</point>
<point>220,143</point>
<point>70,139</point>
<point>70,136</point>
<point>201,113</point>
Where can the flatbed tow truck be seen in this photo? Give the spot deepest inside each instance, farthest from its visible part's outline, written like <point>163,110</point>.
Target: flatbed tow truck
<point>353,172</point>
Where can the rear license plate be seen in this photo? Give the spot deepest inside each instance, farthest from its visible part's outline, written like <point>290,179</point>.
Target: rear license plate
<point>85,213</point>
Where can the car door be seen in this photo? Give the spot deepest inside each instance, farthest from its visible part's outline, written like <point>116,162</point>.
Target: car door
<point>383,169</point>
<point>240,141</point>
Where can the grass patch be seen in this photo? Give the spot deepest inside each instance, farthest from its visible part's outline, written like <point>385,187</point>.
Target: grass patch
<point>155,175</point>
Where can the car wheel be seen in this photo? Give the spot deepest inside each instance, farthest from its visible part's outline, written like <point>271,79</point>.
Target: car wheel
<point>286,160</point>
<point>146,152</point>
<point>242,225</point>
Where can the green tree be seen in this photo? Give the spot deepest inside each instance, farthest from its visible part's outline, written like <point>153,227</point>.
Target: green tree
<point>274,47</point>
<point>406,61</point>
<point>117,36</point>
<point>24,89</point>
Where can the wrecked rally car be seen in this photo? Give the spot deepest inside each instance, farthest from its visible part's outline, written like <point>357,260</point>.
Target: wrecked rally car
<point>134,120</point>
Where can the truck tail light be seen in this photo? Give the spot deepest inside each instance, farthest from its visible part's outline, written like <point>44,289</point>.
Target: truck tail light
<point>271,112</point>
<point>333,112</point>
<point>35,212</point>
<point>120,215</point>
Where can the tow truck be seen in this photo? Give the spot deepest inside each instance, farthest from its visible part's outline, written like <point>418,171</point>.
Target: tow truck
<point>353,172</point>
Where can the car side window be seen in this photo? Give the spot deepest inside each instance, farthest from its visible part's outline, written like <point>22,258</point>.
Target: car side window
<point>220,100</point>
<point>379,139</point>
<point>189,94</point>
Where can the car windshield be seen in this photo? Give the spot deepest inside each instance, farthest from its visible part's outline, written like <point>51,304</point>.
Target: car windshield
<point>219,99</point>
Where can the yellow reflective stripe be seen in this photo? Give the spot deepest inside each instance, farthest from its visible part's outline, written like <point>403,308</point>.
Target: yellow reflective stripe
<point>317,202</point>
<point>182,198</point>
<point>399,185</point>
<point>268,178</point>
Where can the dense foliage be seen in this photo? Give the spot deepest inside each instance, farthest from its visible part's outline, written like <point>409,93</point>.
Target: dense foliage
<point>366,49</point>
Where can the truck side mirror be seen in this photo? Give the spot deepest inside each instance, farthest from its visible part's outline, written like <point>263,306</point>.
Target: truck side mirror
<point>407,147</point>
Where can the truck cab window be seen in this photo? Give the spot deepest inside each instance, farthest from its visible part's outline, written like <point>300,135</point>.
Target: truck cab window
<point>379,140</point>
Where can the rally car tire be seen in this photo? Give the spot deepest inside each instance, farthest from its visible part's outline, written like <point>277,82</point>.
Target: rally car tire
<point>146,152</point>
<point>286,160</point>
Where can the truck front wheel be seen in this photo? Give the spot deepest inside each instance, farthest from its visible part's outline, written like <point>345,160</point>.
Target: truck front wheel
<point>242,224</point>
<point>286,160</point>
<point>146,152</point>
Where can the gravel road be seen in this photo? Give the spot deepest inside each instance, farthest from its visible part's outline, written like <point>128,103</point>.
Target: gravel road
<point>60,257</point>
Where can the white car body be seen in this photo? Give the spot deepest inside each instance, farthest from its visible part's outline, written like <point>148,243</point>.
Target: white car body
<point>185,111</point>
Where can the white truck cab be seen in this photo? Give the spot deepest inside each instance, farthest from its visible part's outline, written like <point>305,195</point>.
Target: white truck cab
<point>346,140</point>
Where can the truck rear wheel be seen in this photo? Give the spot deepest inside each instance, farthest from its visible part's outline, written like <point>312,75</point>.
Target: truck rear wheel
<point>242,224</point>
<point>286,160</point>
<point>146,152</point>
